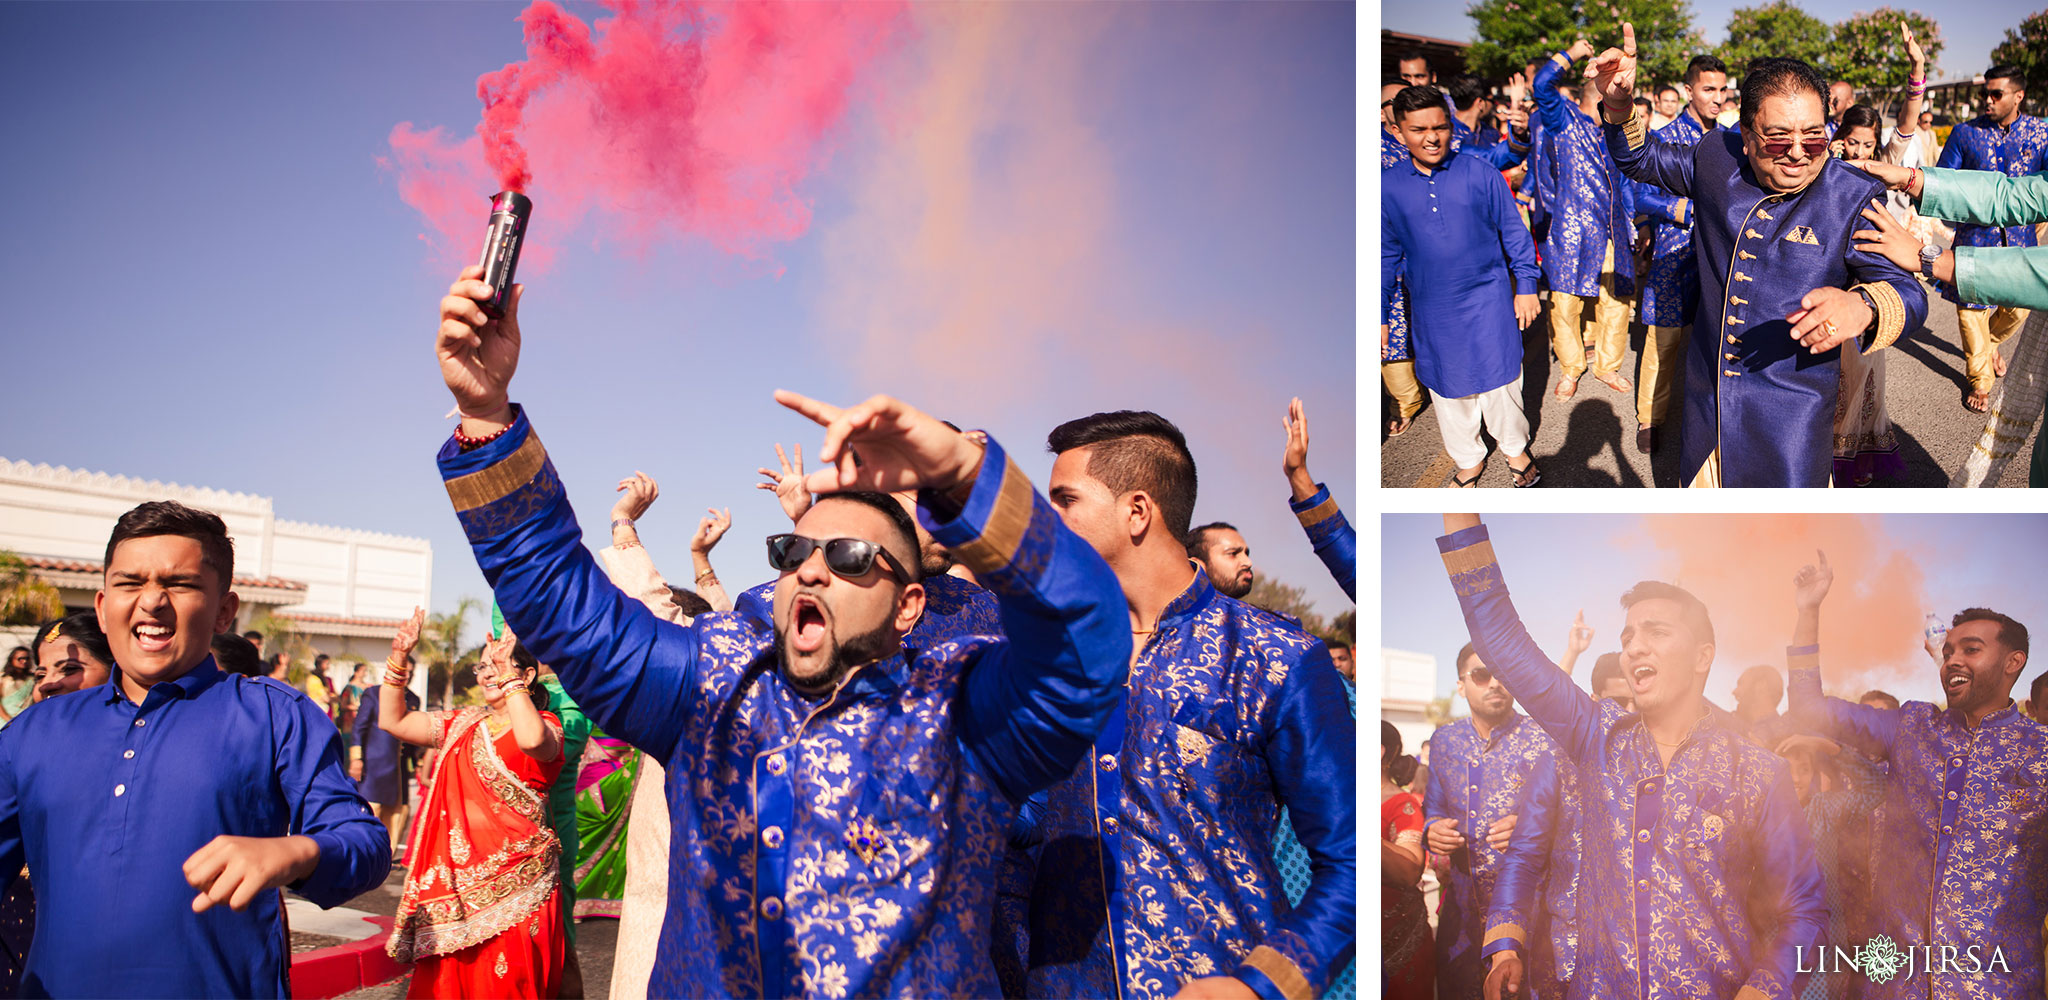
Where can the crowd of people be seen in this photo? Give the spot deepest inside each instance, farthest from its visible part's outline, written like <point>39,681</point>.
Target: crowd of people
<point>1632,838</point>
<point>971,740</point>
<point>1771,235</point>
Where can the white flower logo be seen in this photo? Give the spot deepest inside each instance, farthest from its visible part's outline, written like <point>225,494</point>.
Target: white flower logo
<point>1882,959</point>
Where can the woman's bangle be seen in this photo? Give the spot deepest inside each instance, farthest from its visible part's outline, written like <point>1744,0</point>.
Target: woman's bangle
<point>707,575</point>
<point>514,686</point>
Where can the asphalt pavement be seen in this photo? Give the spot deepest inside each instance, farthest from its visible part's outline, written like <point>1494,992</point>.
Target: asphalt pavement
<point>1590,439</point>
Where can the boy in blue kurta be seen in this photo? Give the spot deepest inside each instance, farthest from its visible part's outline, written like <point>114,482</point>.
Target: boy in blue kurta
<point>1449,222</point>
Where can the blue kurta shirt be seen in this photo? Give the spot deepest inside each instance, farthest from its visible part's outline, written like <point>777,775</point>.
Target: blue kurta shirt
<point>1232,713</point>
<point>1751,391</point>
<point>1964,845</point>
<point>105,800</point>
<point>1536,892</point>
<point>1478,781</point>
<point>1584,195</point>
<point>1674,859</point>
<point>1671,294</point>
<point>1455,231</point>
<point>1330,534</point>
<point>2014,150</point>
<point>843,845</point>
<point>1398,348</point>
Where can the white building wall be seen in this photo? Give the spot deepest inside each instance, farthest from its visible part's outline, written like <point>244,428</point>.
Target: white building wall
<point>1407,686</point>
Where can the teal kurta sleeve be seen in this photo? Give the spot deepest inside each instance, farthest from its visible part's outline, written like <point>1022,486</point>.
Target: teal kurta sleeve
<point>1984,198</point>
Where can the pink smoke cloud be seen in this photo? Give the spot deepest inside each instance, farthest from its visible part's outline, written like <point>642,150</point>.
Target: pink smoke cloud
<point>661,120</point>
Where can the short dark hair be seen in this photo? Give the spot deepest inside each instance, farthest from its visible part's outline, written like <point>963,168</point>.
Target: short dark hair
<point>1669,88</point>
<point>1337,642</point>
<point>2011,634</point>
<point>1861,116</point>
<point>2039,690</point>
<point>899,519</point>
<point>237,655</point>
<point>1643,102</point>
<point>1701,64</point>
<point>84,627</point>
<point>1691,608</point>
<point>1875,695</point>
<point>320,660</point>
<point>1465,652</point>
<point>1607,667</point>
<point>1466,90</point>
<point>1411,55</point>
<point>253,636</point>
<point>1413,99</point>
<point>1198,537</point>
<point>1141,450</point>
<point>1778,77</point>
<point>689,602</point>
<point>2007,71</point>
<point>169,517</point>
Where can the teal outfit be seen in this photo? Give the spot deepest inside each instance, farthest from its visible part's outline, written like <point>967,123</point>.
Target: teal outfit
<point>576,729</point>
<point>1999,276</point>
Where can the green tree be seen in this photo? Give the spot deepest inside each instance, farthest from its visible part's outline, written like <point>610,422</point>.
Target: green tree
<point>1779,28</point>
<point>1514,33</point>
<point>1871,55</point>
<point>282,635</point>
<point>1279,598</point>
<point>2027,47</point>
<point>25,598</point>
<point>441,649</point>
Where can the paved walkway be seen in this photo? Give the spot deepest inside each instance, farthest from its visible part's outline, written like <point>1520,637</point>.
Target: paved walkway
<point>1589,440</point>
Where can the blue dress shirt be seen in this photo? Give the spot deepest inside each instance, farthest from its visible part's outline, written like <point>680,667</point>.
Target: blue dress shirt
<point>1335,543</point>
<point>836,845</point>
<point>1455,229</point>
<point>2014,150</point>
<point>1697,878</point>
<point>106,799</point>
<point>1392,154</point>
<point>1500,155</point>
<point>1586,199</point>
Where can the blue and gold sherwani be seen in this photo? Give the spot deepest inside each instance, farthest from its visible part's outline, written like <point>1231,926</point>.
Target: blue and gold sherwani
<point>1765,404</point>
<point>1671,294</point>
<point>2014,150</point>
<point>1477,781</point>
<point>1392,154</point>
<point>1501,154</point>
<point>1331,535</point>
<point>1697,880</point>
<point>1587,200</point>
<point>833,846</point>
<point>1232,713</point>
<point>1536,893</point>
<point>1962,855</point>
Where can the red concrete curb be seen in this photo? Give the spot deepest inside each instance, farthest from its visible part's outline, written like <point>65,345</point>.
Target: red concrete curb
<point>345,968</point>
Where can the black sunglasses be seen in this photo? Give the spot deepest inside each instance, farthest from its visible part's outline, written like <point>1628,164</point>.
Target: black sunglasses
<point>848,557</point>
<point>1480,676</point>
<point>1994,94</point>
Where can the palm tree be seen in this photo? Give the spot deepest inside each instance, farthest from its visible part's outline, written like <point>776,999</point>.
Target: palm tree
<point>25,599</point>
<point>441,648</point>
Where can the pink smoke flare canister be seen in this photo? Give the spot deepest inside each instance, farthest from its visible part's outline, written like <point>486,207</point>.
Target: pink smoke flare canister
<point>509,212</point>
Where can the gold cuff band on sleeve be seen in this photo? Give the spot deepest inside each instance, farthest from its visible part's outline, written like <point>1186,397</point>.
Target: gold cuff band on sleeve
<point>1282,971</point>
<point>1469,558</point>
<point>1891,313</point>
<point>1512,932</point>
<point>488,486</point>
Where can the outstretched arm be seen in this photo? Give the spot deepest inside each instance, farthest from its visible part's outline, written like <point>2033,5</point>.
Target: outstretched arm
<point>1328,532</point>
<point>394,716</point>
<point>1498,635</point>
<point>1640,155</point>
<point>1871,730</point>
<point>710,529</point>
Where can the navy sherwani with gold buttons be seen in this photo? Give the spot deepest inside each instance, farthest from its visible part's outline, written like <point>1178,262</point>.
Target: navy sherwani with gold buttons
<point>1752,393</point>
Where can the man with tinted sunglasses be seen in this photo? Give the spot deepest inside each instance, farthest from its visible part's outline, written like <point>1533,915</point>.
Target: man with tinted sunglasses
<point>1482,766</point>
<point>837,804</point>
<point>2004,141</point>
<point>1783,286</point>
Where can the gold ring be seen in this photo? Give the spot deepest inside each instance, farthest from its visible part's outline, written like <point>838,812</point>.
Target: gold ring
<point>1829,327</point>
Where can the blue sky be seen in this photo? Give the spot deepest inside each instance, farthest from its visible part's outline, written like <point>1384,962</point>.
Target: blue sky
<point>1969,31</point>
<point>1557,564</point>
<point>206,278</point>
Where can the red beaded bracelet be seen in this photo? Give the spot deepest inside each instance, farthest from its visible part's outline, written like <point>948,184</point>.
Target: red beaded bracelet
<point>471,444</point>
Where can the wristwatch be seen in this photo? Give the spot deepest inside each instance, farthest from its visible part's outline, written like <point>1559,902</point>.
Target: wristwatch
<point>1929,253</point>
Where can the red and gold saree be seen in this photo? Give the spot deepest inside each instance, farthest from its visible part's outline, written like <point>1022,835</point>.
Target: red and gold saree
<point>480,916</point>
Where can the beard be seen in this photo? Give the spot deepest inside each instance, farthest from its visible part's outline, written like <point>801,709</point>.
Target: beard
<point>1236,586</point>
<point>933,559</point>
<point>840,659</point>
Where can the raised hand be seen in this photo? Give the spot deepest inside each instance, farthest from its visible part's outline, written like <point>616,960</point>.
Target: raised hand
<point>1518,88</point>
<point>1913,50</point>
<point>1810,585</point>
<point>710,529</point>
<point>640,492</point>
<point>1294,458</point>
<point>1614,73</point>
<point>408,635</point>
<point>885,445</point>
<point>1581,638</point>
<point>788,484</point>
<point>1579,50</point>
<point>478,352</point>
